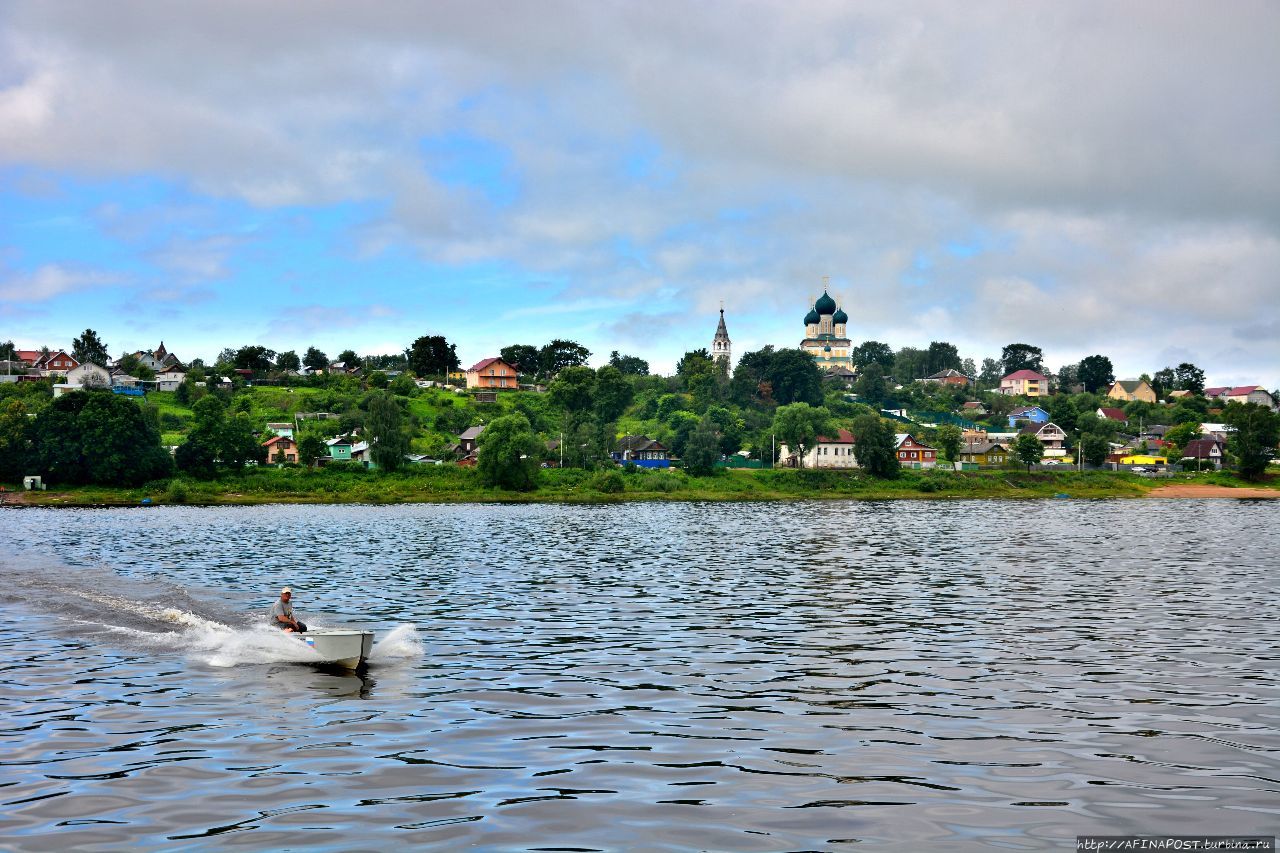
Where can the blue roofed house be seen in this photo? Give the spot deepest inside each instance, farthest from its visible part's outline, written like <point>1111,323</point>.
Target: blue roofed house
<point>1030,414</point>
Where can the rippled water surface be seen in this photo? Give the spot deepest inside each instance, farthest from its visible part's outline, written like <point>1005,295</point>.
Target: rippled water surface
<point>915,675</point>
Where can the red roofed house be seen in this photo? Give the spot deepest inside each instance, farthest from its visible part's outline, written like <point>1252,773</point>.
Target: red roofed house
<point>1217,392</point>
<point>55,362</point>
<point>492,373</point>
<point>1250,394</point>
<point>30,356</point>
<point>1026,383</point>
<point>913,453</point>
<point>1206,451</point>
<point>829,452</point>
<point>281,448</point>
<point>1112,414</point>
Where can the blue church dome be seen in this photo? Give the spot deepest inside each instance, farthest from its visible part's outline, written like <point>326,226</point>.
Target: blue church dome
<point>825,304</point>
<point>840,316</point>
<point>811,317</point>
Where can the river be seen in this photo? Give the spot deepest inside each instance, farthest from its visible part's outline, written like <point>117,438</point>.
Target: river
<point>823,676</point>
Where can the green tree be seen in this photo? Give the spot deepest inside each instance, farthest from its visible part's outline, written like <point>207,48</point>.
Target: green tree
<point>942,356</point>
<point>315,359</point>
<point>949,440</point>
<point>310,448</point>
<point>630,365</point>
<point>508,454</point>
<point>1094,449</point>
<point>729,427</point>
<point>613,393</point>
<point>254,357</point>
<point>559,354</point>
<point>875,446</point>
<point>1163,381</point>
<point>98,437</point>
<point>432,355</point>
<point>703,450</point>
<point>1257,432</point>
<point>694,362</point>
<point>750,384</point>
<point>871,387</point>
<point>15,439</point>
<point>573,390</point>
<point>910,364</point>
<point>799,424</point>
<point>794,377</point>
<point>991,373</point>
<point>239,443</point>
<point>872,352</point>
<point>130,365</point>
<point>1016,357</point>
<point>349,358</point>
<point>90,348</point>
<point>1190,377</point>
<point>388,440</point>
<point>9,352</point>
<point>1096,373</point>
<point>1179,436</point>
<point>288,360</point>
<point>680,429</point>
<point>524,357</point>
<point>1028,449</point>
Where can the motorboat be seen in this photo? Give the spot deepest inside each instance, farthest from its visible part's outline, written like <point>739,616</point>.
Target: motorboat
<point>346,648</point>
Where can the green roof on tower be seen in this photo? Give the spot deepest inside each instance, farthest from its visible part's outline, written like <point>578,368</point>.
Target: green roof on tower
<point>825,304</point>
<point>812,317</point>
<point>840,316</point>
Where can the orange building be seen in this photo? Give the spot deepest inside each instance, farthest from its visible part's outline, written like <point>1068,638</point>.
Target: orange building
<point>492,373</point>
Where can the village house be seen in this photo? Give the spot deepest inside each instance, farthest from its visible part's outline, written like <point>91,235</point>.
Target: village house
<point>1250,394</point>
<point>949,376</point>
<point>339,449</point>
<point>984,453</point>
<point>1110,414</point>
<point>285,429</point>
<point>913,453</point>
<point>281,449</point>
<point>1028,414</point>
<point>642,451</point>
<point>1205,452</point>
<point>973,409</point>
<point>832,451</point>
<point>1132,389</point>
<point>1025,383</point>
<point>55,363</point>
<point>492,373</point>
<point>1051,436</point>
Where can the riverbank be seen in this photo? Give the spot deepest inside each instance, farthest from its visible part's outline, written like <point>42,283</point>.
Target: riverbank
<point>450,484</point>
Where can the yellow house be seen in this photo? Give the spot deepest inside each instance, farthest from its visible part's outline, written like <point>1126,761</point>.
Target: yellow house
<point>1143,459</point>
<point>985,453</point>
<point>1132,389</point>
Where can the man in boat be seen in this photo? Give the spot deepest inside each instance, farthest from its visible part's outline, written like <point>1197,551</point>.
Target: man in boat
<point>282,613</point>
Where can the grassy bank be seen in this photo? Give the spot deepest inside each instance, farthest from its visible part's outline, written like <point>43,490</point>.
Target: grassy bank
<point>451,484</point>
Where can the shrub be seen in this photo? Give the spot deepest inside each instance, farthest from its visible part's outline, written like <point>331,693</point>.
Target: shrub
<point>177,491</point>
<point>609,482</point>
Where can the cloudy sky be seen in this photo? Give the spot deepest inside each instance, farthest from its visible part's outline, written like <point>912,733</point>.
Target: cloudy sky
<point>1085,177</point>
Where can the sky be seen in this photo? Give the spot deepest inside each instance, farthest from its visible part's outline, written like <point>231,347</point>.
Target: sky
<point>1086,177</point>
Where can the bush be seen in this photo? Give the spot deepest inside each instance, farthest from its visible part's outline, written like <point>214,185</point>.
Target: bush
<point>177,492</point>
<point>609,482</point>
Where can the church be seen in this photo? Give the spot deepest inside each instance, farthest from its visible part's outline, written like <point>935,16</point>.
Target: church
<point>824,335</point>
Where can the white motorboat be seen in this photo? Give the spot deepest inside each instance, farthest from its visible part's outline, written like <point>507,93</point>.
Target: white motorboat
<point>340,647</point>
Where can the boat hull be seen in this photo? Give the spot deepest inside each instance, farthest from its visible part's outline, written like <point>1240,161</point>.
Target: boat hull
<point>339,647</point>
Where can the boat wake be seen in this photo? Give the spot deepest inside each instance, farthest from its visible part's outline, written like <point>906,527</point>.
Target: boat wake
<point>159,617</point>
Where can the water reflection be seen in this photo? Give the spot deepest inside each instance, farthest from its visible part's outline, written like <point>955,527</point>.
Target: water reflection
<point>756,677</point>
